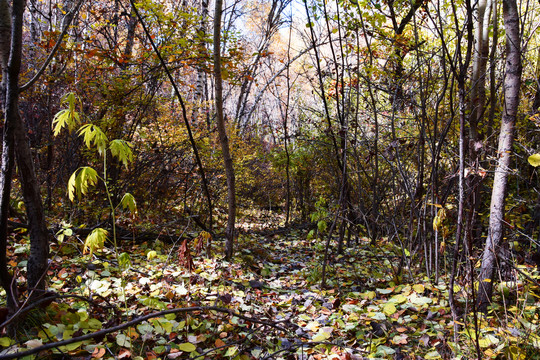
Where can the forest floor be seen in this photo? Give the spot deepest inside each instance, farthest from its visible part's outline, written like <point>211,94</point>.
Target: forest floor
<point>173,301</point>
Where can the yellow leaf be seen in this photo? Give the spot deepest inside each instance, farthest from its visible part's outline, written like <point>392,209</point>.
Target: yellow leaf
<point>389,309</point>
<point>321,336</point>
<point>187,347</point>
<point>534,160</point>
<point>5,341</point>
<point>71,347</point>
<point>95,241</point>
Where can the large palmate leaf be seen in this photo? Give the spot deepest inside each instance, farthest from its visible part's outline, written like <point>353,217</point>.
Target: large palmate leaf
<point>93,135</point>
<point>95,241</point>
<point>128,202</point>
<point>68,117</point>
<point>121,149</point>
<point>80,181</point>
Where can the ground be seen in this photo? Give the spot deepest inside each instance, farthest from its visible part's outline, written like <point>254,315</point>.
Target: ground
<point>267,303</point>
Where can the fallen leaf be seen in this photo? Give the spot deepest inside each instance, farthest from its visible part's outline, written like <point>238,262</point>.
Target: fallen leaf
<point>175,355</point>
<point>187,347</point>
<point>98,353</point>
<point>424,340</point>
<point>33,343</point>
<point>219,343</point>
<point>124,353</point>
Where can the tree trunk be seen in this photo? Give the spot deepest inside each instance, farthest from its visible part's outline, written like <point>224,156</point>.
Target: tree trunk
<point>14,141</point>
<point>201,84</point>
<point>512,82</point>
<point>478,78</point>
<point>39,236</point>
<point>224,140</point>
<point>7,154</point>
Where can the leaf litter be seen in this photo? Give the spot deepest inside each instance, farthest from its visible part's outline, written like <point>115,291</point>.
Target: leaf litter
<point>366,311</point>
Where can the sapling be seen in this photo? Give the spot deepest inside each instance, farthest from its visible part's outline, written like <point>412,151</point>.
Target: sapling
<point>85,177</point>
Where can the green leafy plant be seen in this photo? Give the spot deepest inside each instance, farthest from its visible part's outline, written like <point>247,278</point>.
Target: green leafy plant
<point>86,177</point>
<point>319,217</point>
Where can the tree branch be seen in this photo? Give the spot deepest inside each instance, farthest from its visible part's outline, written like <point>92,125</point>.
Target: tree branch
<point>134,322</point>
<point>69,16</point>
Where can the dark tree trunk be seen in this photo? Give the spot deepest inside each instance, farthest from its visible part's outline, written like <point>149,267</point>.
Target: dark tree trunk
<point>512,82</point>
<point>15,137</point>
<point>224,140</point>
<point>39,236</point>
<point>7,154</point>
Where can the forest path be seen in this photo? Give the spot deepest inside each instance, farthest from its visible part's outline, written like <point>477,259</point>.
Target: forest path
<point>274,278</point>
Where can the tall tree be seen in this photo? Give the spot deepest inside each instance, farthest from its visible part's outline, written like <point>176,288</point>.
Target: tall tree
<point>223,139</point>
<point>7,153</point>
<point>15,138</point>
<point>512,83</point>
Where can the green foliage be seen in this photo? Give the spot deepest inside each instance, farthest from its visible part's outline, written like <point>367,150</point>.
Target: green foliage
<point>95,241</point>
<point>128,202</point>
<point>80,181</point>
<point>69,117</point>
<point>121,149</point>
<point>320,217</point>
<point>93,135</point>
<point>66,231</point>
<point>124,260</point>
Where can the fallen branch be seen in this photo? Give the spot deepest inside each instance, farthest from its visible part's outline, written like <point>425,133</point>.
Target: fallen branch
<point>50,297</point>
<point>137,321</point>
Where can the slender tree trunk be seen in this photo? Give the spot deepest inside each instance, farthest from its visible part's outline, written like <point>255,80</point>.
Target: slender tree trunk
<point>7,155</point>
<point>286,134</point>
<point>201,82</point>
<point>224,140</point>
<point>512,82</point>
<point>461,78</point>
<point>184,115</point>
<point>478,78</point>
<point>536,101</point>
<point>493,72</point>
<point>476,117</point>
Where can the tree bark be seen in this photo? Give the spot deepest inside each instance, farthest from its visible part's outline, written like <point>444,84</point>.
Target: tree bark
<point>512,82</point>
<point>224,140</point>
<point>39,237</point>
<point>478,78</point>
<point>201,85</point>
<point>7,155</point>
<point>14,141</point>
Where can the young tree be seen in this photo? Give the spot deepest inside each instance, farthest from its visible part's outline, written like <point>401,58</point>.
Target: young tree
<point>512,82</point>
<point>224,140</point>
